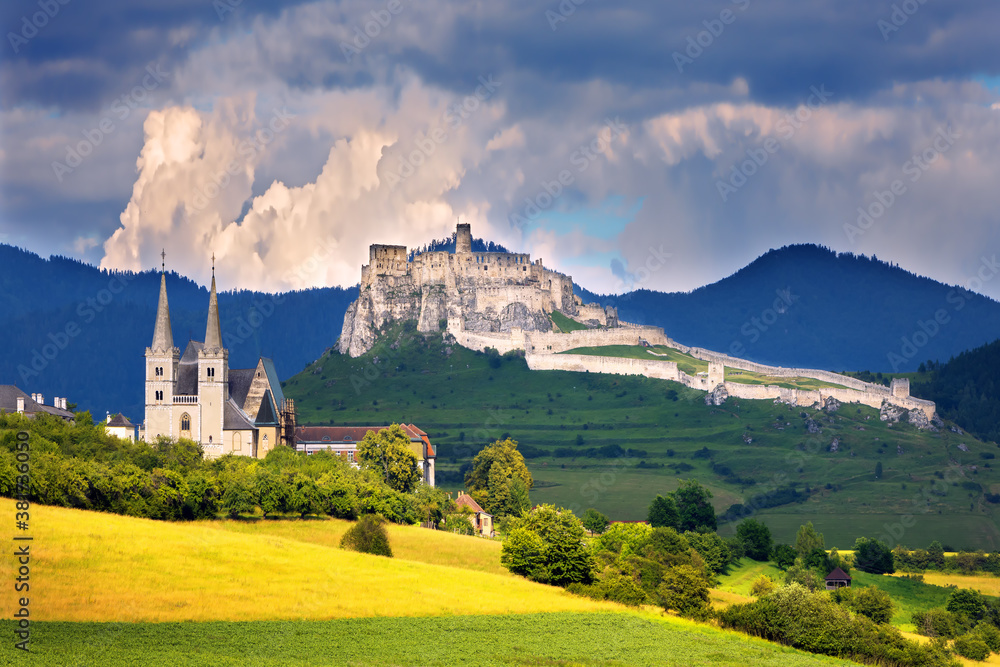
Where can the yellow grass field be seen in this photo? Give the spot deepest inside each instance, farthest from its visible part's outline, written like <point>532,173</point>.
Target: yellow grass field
<point>408,542</point>
<point>88,566</point>
<point>987,584</point>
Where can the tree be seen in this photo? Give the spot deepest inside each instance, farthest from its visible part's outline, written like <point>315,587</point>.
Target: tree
<point>935,554</point>
<point>873,556</point>
<point>388,453</point>
<point>693,506</point>
<point>239,497</point>
<point>368,536</point>
<point>663,512</point>
<point>762,586</point>
<point>519,501</point>
<point>784,556</point>
<point>808,540</point>
<point>489,480</point>
<point>874,603</point>
<point>562,557</point>
<point>967,602</point>
<point>756,539</point>
<point>594,521</point>
<point>685,590</point>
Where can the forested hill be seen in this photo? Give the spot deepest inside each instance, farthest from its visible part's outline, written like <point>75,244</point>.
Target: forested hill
<point>43,301</point>
<point>967,390</point>
<point>840,312</point>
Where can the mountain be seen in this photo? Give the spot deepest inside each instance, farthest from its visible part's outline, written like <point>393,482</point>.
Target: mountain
<point>70,329</point>
<point>796,306</point>
<point>807,306</point>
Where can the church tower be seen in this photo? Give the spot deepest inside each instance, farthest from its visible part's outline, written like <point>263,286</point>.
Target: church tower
<point>213,374</point>
<point>161,368</point>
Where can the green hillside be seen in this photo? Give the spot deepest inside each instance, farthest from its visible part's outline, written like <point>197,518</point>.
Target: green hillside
<point>613,442</point>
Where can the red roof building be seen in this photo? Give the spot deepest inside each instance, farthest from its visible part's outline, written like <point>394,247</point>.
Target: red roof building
<point>343,440</point>
<point>480,518</point>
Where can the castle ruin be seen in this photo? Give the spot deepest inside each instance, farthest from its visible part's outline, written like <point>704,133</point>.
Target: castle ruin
<point>464,290</point>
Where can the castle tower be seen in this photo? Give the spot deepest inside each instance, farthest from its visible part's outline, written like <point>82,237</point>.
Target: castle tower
<point>463,238</point>
<point>161,367</point>
<point>213,374</point>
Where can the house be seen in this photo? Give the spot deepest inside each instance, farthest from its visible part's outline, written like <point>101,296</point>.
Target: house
<point>481,520</point>
<point>837,579</point>
<point>120,427</point>
<point>343,441</point>
<point>14,400</point>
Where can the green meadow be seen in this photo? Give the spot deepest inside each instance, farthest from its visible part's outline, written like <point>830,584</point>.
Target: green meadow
<point>613,442</point>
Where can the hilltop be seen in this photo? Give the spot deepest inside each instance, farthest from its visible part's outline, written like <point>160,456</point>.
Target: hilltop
<point>614,442</point>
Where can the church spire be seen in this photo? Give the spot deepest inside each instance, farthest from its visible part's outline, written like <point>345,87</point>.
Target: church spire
<point>163,338</point>
<point>213,330</point>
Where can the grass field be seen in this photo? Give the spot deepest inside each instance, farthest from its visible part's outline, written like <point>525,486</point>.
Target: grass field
<point>565,324</point>
<point>102,567</point>
<point>741,576</point>
<point>685,362</point>
<point>464,399</point>
<point>408,542</point>
<point>591,639</point>
<point>749,377</point>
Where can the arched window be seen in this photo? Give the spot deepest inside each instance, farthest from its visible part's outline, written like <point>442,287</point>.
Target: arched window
<point>186,425</point>
<point>237,442</point>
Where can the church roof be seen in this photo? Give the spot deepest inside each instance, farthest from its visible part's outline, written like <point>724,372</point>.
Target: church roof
<point>272,379</point>
<point>234,419</point>
<point>213,330</point>
<point>187,370</point>
<point>240,380</point>
<point>163,338</point>
<point>266,415</point>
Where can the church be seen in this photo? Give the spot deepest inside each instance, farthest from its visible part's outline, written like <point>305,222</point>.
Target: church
<point>196,395</point>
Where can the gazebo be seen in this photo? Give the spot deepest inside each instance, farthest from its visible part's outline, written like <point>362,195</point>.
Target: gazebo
<point>837,579</point>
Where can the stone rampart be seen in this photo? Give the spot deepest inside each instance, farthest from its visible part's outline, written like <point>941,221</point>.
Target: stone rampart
<point>663,370</point>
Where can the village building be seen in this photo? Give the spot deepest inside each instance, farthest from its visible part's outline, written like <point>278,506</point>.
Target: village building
<point>196,395</point>
<point>120,427</point>
<point>14,400</point>
<point>343,441</point>
<point>481,520</point>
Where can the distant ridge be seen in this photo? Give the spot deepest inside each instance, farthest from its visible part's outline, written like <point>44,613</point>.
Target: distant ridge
<point>847,312</point>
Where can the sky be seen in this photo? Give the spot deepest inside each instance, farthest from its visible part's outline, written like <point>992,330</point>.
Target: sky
<point>629,144</point>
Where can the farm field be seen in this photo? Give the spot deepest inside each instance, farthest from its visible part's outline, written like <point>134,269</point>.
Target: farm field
<point>575,428</point>
<point>124,591</point>
<point>527,639</point>
<point>104,567</point>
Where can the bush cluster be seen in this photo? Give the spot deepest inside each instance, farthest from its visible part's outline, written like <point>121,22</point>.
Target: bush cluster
<point>814,622</point>
<point>80,465</point>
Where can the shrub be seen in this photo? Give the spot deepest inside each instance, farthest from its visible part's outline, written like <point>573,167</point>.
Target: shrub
<point>971,647</point>
<point>458,523</point>
<point>762,585</point>
<point>937,623</point>
<point>368,536</point>
<point>990,636</point>
<point>873,603</point>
